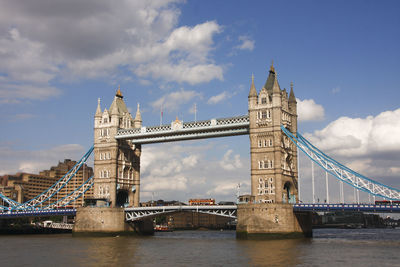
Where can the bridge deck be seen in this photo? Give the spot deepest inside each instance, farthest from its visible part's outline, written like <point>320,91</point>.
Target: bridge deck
<point>347,207</point>
<point>137,213</point>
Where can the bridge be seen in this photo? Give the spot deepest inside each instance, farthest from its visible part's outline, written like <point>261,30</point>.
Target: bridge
<point>271,125</point>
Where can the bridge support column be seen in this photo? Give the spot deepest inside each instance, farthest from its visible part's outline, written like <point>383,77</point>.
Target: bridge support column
<point>270,221</point>
<point>106,221</point>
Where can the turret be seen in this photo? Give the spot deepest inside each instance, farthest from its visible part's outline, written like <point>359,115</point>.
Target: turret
<point>97,116</point>
<point>292,100</point>
<point>252,94</point>
<point>293,108</point>
<point>137,122</point>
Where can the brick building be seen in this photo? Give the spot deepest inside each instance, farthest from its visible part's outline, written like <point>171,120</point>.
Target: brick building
<point>22,186</point>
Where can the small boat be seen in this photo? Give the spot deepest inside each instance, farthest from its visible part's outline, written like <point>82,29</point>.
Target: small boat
<point>162,228</point>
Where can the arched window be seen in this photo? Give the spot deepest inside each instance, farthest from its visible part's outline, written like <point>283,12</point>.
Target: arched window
<point>264,114</point>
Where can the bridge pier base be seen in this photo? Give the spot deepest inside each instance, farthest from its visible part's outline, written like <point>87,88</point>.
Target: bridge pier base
<point>106,221</point>
<point>272,221</point>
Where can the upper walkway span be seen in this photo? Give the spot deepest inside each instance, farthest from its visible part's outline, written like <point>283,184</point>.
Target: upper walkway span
<point>179,131</point>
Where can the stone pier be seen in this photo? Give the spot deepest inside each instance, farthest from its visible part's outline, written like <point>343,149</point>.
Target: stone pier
<point>270,221</point>
<point>107,221</point>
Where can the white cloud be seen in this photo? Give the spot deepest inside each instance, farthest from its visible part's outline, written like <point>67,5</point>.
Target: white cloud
<point>27,67</point>
<point>361,136</point>
<point>218,98</point>
<point>370,145</point>
<point>308,110</point>
<point>190,161</point>
<point>42,41</point>
<point>227,188</point>
<point>173,183</point>
<point>175,171</point>
<point>246,43</point>
<point>172,101</point>
<point>230,162</point>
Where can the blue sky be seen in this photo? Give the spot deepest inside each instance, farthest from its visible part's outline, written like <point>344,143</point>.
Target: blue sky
<point>58,57</point>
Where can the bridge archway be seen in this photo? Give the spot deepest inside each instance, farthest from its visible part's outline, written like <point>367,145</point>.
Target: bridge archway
<point>288,195</point>
<point>122,198</point>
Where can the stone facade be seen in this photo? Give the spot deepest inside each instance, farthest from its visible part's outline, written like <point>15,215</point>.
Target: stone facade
<point>116,162</point>
<point>273,156</point>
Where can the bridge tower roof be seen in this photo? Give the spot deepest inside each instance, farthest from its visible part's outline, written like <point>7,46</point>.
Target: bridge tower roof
<point>272,80</point>
<point>118,104</point>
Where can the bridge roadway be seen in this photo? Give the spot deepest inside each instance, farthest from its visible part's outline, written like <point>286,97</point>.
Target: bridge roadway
<point>133,214</point>
<point>138,213</point>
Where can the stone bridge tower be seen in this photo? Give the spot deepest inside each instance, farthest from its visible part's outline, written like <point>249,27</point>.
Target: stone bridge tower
<point>116,162</point>
<point>274,171</point>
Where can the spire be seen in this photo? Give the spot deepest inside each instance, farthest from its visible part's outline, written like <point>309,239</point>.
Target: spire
<point>272,69</point>
<point>98,110</point>
<point>253,91</point>
<point>272,80</point>
<point>292,98</point>
<point>138,116</point>
<point>119,94</point>
<point>114,108</point>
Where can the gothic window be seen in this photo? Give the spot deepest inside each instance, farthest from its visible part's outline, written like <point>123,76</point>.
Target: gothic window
<point>105,120</point>
<point>265,143</point>
<point>264,114</point>
<point>263,100</point>
<point>270,142</point>
<point>268,114</point>
<point>101,156</point>
<point>107,190</point>
<point>259,143</point>
<point>109,155</point>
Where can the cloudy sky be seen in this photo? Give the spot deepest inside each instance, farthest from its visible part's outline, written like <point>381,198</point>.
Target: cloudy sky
<point>58,56</point>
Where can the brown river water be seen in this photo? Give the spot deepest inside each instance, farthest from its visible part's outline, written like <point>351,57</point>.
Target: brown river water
<point>328,247</point>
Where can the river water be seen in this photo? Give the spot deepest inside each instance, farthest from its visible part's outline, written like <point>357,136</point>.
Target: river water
<point>328,247</point>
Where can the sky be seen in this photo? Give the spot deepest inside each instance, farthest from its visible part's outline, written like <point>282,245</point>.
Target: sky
<point>57,57</point>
